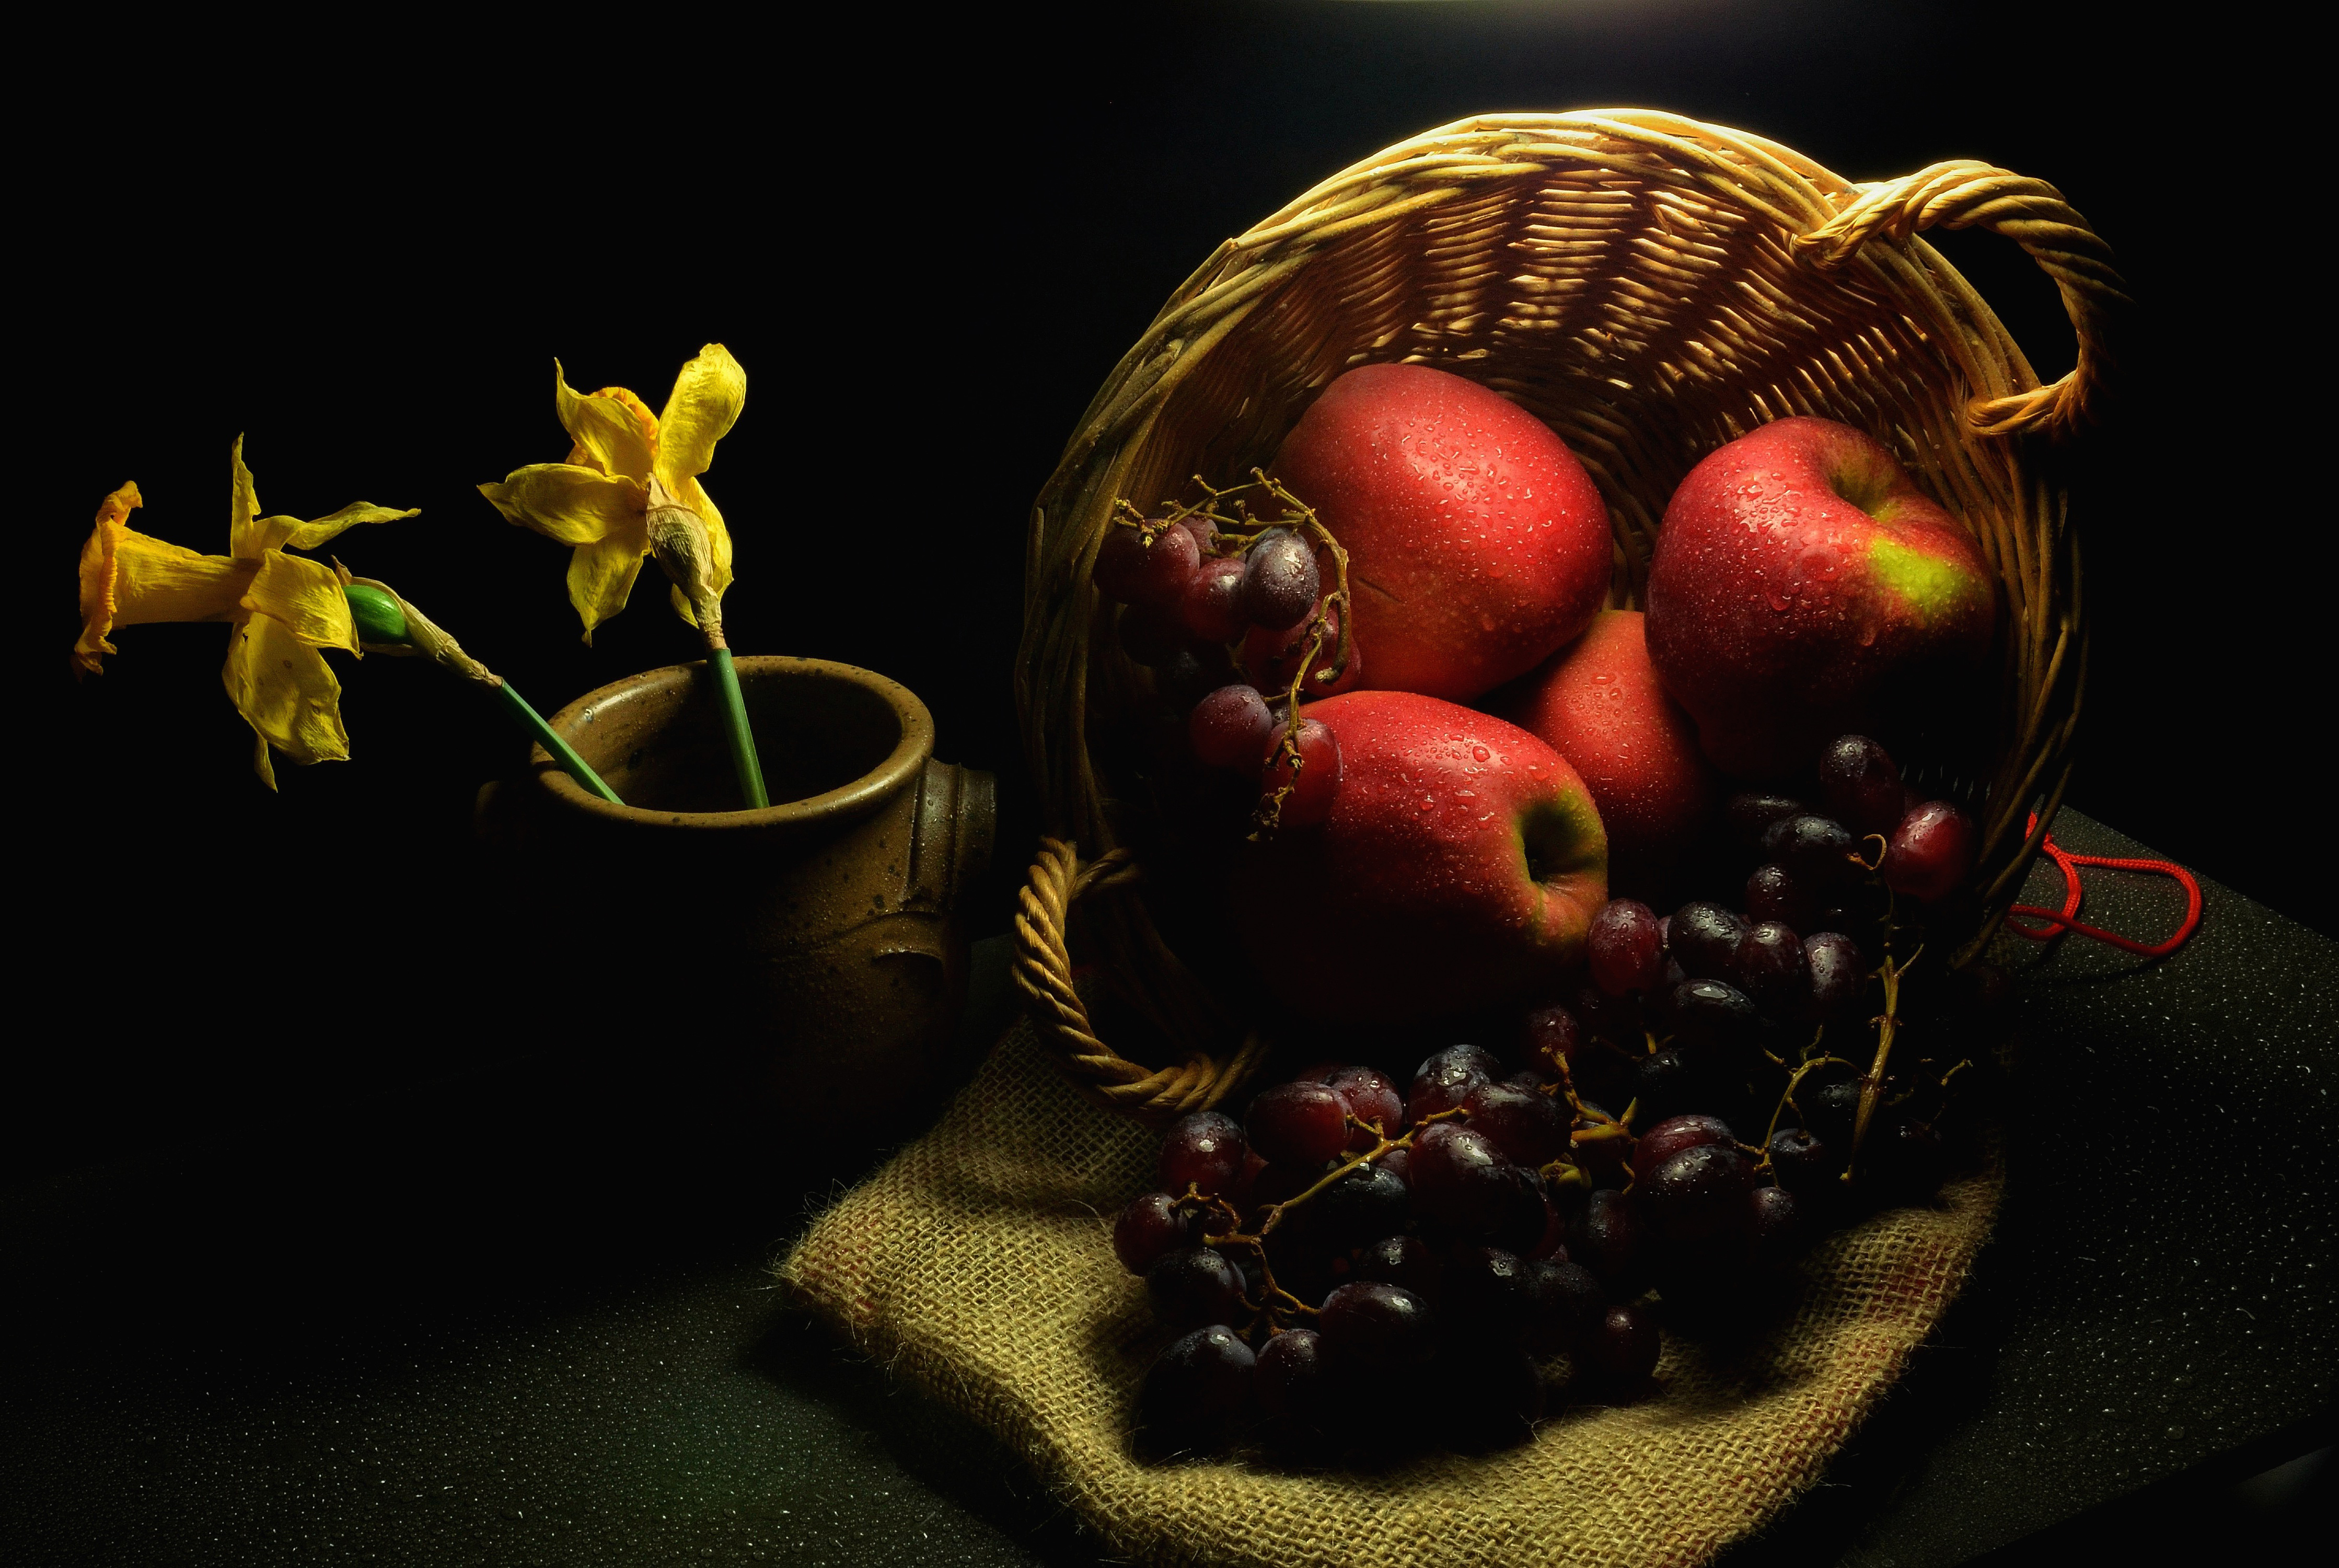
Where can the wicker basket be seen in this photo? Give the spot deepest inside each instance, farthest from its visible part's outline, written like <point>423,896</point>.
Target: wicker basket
<point>1648,286</point>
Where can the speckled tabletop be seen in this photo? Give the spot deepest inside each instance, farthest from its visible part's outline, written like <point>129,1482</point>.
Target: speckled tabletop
<point>472,1325</point>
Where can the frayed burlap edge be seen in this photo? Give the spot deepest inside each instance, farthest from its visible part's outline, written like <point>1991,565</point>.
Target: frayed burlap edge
<point>978,1264</point>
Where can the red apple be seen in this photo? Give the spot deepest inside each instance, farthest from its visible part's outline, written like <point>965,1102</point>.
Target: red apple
<point>1598,703</point>
<point>1477,545</point>
<point>1799,579</point>
<point>1459,869</point>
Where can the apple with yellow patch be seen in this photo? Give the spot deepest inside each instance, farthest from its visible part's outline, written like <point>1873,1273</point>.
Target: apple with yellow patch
<point>1802,586</point>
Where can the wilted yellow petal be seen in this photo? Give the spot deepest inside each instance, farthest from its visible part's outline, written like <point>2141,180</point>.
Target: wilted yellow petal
<point>285,691</point>
<point>305,598</point>
<point>700,412</point>
<point>157,581</point>
<point>97,577</point>
<point>573,505</point>
<point>279,532</point>
<point>244,510</point>
<point>613,431</point>
<point>718,536</point>
<point>601,577</point>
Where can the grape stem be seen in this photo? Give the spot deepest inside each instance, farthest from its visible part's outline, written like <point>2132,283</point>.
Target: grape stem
<point>1872,1084</point>
<point>1787,1100</point>
<point>1265,1310</point>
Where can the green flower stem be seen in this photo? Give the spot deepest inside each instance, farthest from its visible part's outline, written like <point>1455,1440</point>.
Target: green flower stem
<point>549,739</point>
<point>734,725</point>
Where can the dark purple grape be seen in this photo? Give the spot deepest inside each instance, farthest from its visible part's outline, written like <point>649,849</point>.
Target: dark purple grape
<point>1149,1227</point>
<point>1564,1305</point>
<point>1211,606</point>
<point>1459,1176</point>
<point>1618,1356</point>
<point>1488,1396</point>
<point>1297,1384</point>
<point>1775,971</point>
<point>1444,1080</point>
<point>1839,977</point>
<point>1859,786</point>
<point>1140,568</point>
<point>1198,1389</point>
<point>1205,532</point>
<point>1773,895</point>
<point>1404,1261</point>
<point>1366,1203</point>
<point>1831,1111</point>
<point>1190,674</point>
<point>1930,852</point>
<point>1550,1036</point>
<point>1703,939</point>
<point>1750,815</point>
<point>1372,1099</point>
<point>1314,775</point>
<point>1228,729</point>
<point>1530,1128</point>
<point>1674,1134</point>
<point>1398,1162</point>
<point>1604,1236</point>
<point>1150,633</point>
<point>1379,1326</point>
<point>1712,1015</point>
<point>1203,1150</point>
<point>1624,947</point>
<point>1817,852</point>
<point>1777,1226</point>
<point>1297,1124</point>
<point>1193,1286</point>
<point>1485,1292</point>
<point>1280,580</point>
<point>1801,1160</point>
<point>1698,1197</point>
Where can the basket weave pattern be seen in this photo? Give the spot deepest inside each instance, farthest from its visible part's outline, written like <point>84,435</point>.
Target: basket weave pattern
<point>1650,287</point>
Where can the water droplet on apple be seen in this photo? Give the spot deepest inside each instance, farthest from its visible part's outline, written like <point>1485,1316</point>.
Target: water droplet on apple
<point>1480,752</point>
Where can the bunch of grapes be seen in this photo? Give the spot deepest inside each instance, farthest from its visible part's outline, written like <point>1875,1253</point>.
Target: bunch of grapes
<point>1234,618</point>
<point>1655,1149</point>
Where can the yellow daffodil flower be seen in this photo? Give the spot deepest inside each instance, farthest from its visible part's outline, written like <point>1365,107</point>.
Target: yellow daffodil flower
<point>284,610</point>
<point>599,499</point>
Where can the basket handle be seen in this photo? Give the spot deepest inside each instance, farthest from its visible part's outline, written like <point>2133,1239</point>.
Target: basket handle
<point>1044,971</point>
<point>2033,214</point>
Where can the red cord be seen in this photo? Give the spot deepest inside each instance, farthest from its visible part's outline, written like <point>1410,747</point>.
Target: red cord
<point>2068,864</point>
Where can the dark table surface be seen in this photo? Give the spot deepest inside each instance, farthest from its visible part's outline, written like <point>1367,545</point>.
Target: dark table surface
<point>478,1322</point>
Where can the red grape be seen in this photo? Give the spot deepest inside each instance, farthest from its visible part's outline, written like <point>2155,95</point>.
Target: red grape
<point>1228,729</point>
<point>1622,1352</point>
<point>1372,1099</point>
<point>1301,1125</point>
<point>1697,1197</point>
<point>1711,1016</point>
<point>1486,1291</point>
<point>1273,656</point>
<point>1776,1224</point>
<point>1444,1080</point>
<point>1280,580</point>
<point>1459,1176</point>
<point>1197,1389</point>
<point>1363,1206</point>
<point>1858,785</point>
<point>1378,1325</point>
<point>1400,1260</point>
<point>1930,852</point>
<point>1205,532</point>
<point>1624,947</point>
<point>1528,1126</point>
<point>1211,606</point>
<point>1605,1237</point>
<point>1295,1384</point>
<point>1670,1137</point>
<point>1203,1148</point>
<point>1564,1305</point>
<point>1149,1227</point>
<point>1136,567</point>
<point>1193,1286</point>
<point>1314,776</point>
<point>1553,1037</point>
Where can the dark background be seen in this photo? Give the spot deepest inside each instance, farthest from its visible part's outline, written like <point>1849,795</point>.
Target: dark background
<point>928,242</point>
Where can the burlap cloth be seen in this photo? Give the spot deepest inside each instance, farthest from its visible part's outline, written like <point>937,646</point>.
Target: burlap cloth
<point>979,1264</point>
